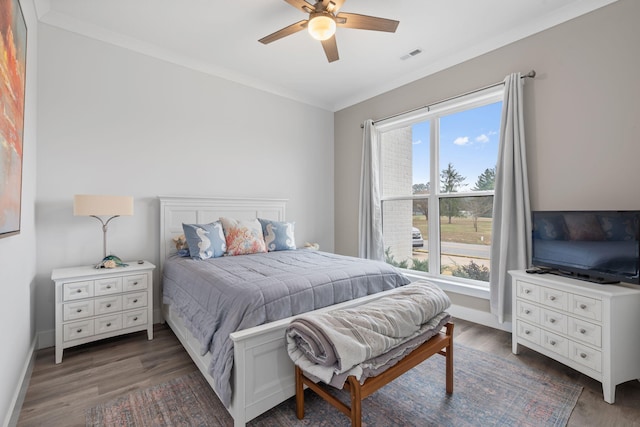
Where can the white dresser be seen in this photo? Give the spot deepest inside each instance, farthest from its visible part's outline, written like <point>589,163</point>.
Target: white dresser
<point>593,328</point>
<point>93,304</point>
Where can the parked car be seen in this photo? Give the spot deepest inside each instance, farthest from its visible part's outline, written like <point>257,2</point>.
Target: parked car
<point>416,238</point>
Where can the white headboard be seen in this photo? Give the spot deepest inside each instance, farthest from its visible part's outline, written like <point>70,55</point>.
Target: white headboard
<point>175,210</point>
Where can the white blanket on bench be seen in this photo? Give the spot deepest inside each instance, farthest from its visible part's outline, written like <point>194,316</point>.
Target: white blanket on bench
<point>338,342</point>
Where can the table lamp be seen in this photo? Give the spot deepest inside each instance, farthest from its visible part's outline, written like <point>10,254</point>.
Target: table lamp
<point>98,206</point>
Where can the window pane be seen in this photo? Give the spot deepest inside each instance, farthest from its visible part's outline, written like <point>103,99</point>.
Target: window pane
<point>465,236</point>
<point>405,231</point>
<point>469,149</point>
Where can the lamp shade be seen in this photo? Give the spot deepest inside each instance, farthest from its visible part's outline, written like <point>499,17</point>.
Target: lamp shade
<point>87,205</point>
<point>321,27</point>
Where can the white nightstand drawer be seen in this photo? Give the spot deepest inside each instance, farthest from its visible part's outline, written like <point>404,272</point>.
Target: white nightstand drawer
<point>553,320</point>
<point>528,311</point>
<point>108,323</point>
<point>590,308</point>
<point>585,356</point>
<point>76,330</point>
<point>554,298</point>
<point>111,285</point>
<point>528,332</point>
<point>77,310</point>
<point>585,331</point>
<point>135,318</point>
<point>134,300</point>
<point>133,283</point>
<point>555,343</point>
<point>106,305</point>
<point>528,291</point>
<point>77,290</point>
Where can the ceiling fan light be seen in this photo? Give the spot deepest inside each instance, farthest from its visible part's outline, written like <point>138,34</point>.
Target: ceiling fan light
<point>322,27</point>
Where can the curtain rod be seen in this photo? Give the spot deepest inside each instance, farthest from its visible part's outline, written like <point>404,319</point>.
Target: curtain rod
<point>531,74</point>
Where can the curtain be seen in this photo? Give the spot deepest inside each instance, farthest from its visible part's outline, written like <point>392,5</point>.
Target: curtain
<point>370,213</point>
<point>511,235</point>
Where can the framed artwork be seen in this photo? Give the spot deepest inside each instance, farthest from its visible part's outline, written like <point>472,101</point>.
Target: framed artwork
<point>13,33</point>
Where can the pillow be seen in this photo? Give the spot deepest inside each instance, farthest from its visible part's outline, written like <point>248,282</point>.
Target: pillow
<point>583,227</point>
<point>278,236</point>
<point>243,236</point>
<point>205,240</point>
<point>549,227</point>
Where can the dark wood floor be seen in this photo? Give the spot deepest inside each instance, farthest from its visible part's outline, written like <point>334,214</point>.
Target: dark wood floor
<point>59,394</point>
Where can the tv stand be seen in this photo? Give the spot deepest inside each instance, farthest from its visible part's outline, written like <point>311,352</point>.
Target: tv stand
<point>588,327</point>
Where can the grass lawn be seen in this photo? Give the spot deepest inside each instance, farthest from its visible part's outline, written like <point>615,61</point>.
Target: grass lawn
<point>461,229</point>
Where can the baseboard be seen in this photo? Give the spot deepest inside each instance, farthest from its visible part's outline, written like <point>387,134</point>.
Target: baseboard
<point>13,414</point>
<point>478,316</point>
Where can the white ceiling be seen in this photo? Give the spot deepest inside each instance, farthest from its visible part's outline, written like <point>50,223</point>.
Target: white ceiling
<point>221,38</point>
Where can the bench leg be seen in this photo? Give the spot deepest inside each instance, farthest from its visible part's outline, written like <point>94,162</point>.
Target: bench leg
<point>449,359</point>
<point>299,394</point>
<point>356,402</point>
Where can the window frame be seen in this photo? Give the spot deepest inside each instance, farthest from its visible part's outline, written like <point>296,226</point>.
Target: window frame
<point>432,114</point>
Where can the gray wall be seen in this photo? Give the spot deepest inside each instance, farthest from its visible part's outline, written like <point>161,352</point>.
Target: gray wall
<point>112,121</point>
<point>581,114</point>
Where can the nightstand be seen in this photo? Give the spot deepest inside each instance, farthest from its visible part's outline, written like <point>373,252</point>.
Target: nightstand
<point>93,304</point>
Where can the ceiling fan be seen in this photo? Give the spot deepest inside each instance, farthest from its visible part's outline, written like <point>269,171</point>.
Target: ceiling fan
<point>324,17</point>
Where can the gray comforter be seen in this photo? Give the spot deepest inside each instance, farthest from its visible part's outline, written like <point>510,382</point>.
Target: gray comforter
<point>222,295</point>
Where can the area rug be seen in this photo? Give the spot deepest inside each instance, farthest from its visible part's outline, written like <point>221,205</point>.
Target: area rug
<point>488,391</point>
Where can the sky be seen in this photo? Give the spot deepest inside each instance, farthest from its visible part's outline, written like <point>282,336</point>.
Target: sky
<point>468,140</point>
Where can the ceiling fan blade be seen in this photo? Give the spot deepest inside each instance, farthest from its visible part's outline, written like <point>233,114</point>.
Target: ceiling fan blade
<point>332,6</point>
<point>365,22</point>
<point>331,49</point>
<point>301,5</point>
<point>286,31</point>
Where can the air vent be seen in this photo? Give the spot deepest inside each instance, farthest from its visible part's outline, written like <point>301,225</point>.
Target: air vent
<point>411,54</point>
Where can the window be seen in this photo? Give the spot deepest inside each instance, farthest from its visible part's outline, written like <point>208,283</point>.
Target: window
<point>437,178</point>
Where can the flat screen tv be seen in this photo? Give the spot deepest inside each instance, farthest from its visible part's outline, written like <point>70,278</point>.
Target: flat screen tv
<point>598,246</point>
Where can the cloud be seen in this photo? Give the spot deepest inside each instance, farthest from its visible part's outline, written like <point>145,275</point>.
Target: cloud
<point>461,140</point>
<point>418,142</point>
<point>482,138</point>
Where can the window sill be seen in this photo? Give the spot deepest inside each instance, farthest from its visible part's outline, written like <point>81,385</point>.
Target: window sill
<point>453,286</point>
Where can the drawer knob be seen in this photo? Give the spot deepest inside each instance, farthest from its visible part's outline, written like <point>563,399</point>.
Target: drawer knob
<point>552,343</point>
<point>552,320</point>
<point>135,283</point>
<point>135,300</point>
<point>527,312</point>
<point>552,298</point>
<point>79,310</point>
<point>583,331</point>
<point>108,286</point>
<point>108,305</point>
<point>135,318</point>
<point>583,355</point>
<point>79,330</point>
<point>527,332</point>
<point>108,324</point>
<point>78,291</point>
<point>527,291</point>
<point>583,306</point>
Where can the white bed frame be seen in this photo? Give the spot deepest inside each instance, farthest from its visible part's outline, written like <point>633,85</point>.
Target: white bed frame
<point>263,375</point>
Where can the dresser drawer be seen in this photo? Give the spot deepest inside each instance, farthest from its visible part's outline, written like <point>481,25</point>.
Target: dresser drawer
<point>135,318</point>
<point>133,283</point>
<point>528,332</point>
<point>586,332</point>
<point>135,300</point>
<point>528,311</point>
<point>77,310</point>
<point>554,298</point>
<point>77,330</point>
<point>590,308</point>
<point>585,356</point>
<point>106,305</point>
<point>553,320</point>
<point>107,286</point>
<point>108,323</point>
<point>77,290</point>
<point>528,291</point>
<point>555,343</point>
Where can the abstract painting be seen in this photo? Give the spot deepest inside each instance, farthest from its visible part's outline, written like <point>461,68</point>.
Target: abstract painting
<point>13,46</point>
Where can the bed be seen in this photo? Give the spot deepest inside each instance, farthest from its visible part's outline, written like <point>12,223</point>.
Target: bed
<point>263,374</point>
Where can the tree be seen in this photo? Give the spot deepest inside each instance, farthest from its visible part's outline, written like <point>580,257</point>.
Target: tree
<point>482,205</point>
<point>451,180</point>
<point>421,205</point>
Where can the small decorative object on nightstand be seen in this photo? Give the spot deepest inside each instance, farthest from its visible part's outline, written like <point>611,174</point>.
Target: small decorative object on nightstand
<point>95,304</point>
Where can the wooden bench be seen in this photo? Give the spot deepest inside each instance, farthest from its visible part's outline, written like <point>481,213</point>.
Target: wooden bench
<point>441,343</point>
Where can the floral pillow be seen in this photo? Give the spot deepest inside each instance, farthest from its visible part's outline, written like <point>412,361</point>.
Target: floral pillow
<point>205,240</point>
<point>278,236</point>
<point>243,236</point>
